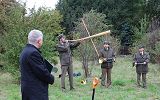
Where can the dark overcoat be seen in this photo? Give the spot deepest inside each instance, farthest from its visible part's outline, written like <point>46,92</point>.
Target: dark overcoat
<point>35,77</point>
<point>65,52</point>
<point>108,55</point>
<point>140,59</point>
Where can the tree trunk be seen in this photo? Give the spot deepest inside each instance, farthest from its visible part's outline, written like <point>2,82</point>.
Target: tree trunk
<point>85,66</point>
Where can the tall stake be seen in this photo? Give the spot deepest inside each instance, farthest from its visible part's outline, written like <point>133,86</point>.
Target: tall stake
<point>94,84</point>
<point>93,93</point>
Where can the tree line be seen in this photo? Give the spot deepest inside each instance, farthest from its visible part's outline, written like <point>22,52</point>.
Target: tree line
<point>130,21</point>
<point>15,24</point>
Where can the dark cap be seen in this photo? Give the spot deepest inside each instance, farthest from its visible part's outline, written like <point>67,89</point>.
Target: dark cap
<point>141,46</point>
<point>60,36</point>
<point>106,42</point>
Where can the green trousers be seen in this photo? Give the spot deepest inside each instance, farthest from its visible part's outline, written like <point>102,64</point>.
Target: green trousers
<point>143,79</point>
<point>69,70</point>
<point>106,72</point>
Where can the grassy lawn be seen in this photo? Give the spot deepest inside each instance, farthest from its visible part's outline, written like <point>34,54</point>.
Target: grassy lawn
<point>123,84</point>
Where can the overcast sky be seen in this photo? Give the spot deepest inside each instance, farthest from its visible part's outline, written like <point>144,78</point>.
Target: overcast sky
<point>38,3</point>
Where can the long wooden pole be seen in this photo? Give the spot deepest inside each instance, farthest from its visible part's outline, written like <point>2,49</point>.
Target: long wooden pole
<point>96,35</point>
<point>90,38</point>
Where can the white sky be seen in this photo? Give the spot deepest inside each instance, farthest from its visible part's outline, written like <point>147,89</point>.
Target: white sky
<point>39,3</point>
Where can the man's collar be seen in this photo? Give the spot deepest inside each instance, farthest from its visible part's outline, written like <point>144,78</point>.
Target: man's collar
<point>31,45</point>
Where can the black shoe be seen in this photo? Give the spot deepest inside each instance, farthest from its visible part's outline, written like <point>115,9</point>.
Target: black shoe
<point>72,88</point>
<point>100,77</point>
<point>145,87</point>
<point>59,75</point>
<point>63,90</point>
<point>138,85</point>
<point>108,85</point>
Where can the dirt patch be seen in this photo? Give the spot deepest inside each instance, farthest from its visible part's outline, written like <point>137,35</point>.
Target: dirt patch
<point>6,78</point>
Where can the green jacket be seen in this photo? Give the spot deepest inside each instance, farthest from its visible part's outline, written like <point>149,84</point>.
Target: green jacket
<point>65,52</point>
<point>108,55</point>
<point>140,59</point>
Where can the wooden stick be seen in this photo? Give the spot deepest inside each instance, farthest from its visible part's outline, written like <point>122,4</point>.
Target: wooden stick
<point>90,38</point>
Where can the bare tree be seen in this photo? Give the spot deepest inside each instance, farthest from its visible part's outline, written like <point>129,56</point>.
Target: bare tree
<point>95,23</point>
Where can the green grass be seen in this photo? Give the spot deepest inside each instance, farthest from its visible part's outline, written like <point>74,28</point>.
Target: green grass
<point>123,84</point>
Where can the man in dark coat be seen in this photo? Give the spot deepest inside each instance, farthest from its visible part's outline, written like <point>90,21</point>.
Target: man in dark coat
<point>35,76</point>
<point>141,59</point>
<point>107,55</point>
<point>64,48</point>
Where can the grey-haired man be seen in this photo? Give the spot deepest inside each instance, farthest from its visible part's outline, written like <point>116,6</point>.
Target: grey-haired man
<point>35,76</point>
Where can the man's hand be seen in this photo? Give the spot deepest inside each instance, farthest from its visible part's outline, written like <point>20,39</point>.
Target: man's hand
<point>114,59</point>
<point>104,59</point>
<point>135,63</point>
<point>66,41</point>
<point>144,63</point>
